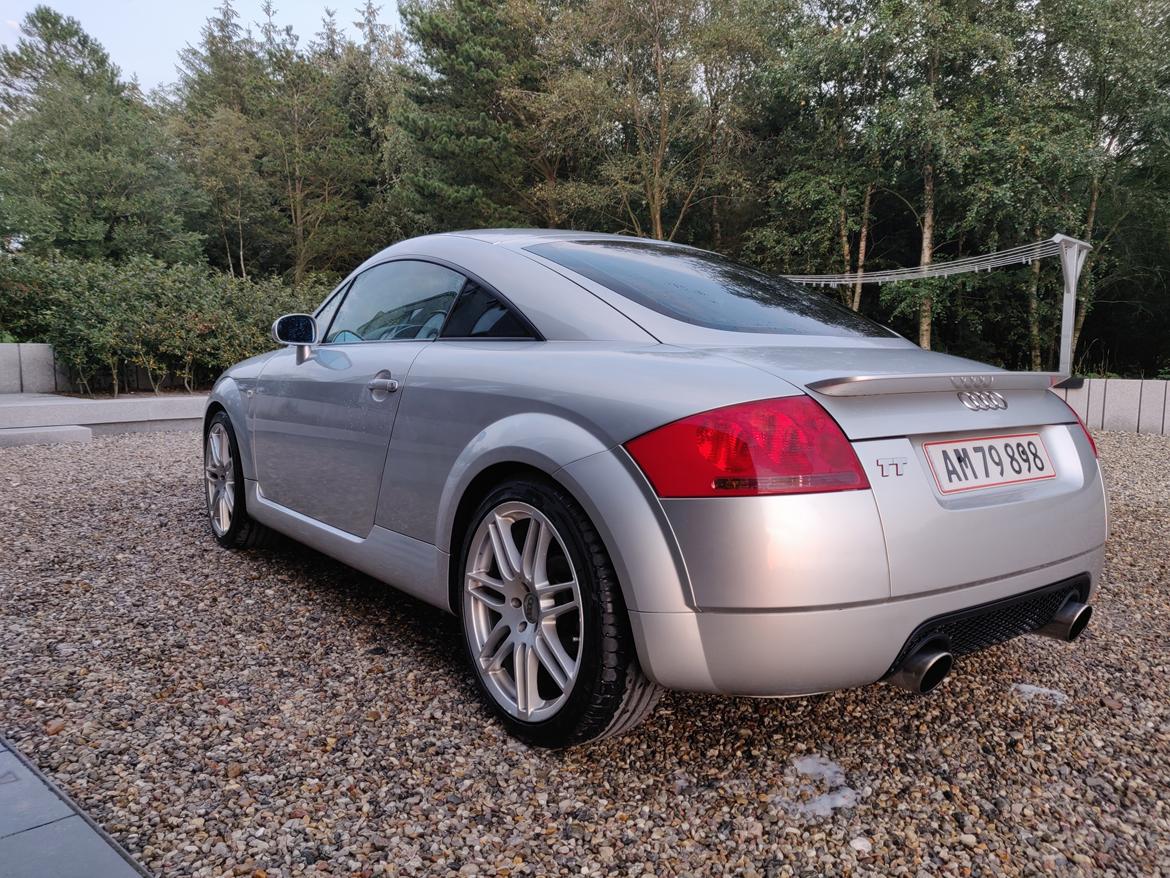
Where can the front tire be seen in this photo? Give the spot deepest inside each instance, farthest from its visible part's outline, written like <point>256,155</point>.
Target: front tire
<point>223,489</point>
<point>544,622</point>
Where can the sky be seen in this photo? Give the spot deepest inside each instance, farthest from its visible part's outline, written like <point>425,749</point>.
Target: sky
<point>144,37</point>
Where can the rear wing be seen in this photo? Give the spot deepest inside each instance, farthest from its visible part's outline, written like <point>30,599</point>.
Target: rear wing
<point>876,385</point>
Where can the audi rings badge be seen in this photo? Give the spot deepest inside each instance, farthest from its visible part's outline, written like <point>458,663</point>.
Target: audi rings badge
<point>982,400</point>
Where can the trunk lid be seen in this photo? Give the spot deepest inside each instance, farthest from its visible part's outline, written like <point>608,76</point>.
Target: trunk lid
<point>904,390</point>
<point>892,402</point>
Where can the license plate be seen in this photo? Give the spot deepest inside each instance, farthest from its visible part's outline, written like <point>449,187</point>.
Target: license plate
<point>988,462</point>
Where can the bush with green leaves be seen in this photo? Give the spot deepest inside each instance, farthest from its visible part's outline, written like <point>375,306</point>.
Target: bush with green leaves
<point>182,321</point>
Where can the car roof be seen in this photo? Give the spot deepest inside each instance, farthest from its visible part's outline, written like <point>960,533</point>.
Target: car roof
<point>520,237</point>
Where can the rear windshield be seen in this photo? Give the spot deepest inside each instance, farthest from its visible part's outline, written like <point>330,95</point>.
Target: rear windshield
<point>705,289</point>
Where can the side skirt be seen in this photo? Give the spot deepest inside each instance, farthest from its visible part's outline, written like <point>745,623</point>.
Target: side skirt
<point>407,564</point>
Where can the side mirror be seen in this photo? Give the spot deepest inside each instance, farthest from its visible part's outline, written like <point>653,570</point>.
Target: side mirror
<point>295,329</point>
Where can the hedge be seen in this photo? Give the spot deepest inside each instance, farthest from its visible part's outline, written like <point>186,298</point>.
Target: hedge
<point>184,322</point>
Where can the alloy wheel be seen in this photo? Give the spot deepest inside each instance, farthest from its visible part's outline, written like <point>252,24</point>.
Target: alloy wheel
<point>522,611</point>
<point>220,478</point>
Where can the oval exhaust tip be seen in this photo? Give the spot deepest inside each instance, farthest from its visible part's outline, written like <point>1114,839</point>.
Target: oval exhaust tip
<point>923,670</point>
<point>1080,622</point>
<point>935,672</point>
<point>1069,622</point>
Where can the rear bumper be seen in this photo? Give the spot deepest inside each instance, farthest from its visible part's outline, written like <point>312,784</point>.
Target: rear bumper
<point>804,651</point>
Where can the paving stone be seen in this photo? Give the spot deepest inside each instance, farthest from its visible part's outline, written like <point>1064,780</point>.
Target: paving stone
<point>48,410</point>
<point>25,801</point>
<point>1122,402</point>
<point>11,437</point>
<point>67,848</point>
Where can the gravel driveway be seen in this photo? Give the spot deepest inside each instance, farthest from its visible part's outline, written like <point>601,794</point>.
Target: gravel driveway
<point>276,713</point>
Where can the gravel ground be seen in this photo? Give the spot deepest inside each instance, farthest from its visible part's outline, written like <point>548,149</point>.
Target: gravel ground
<point>275,713</point>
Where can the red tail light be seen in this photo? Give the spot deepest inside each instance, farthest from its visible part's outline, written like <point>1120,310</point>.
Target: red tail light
<point>1088,435</point>
<point>774,446</point>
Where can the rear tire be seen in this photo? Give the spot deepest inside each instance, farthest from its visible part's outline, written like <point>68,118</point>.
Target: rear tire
<point>553,608</point>
<point>223,490</point>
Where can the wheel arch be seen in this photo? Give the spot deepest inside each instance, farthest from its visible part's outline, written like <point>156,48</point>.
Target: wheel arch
<point>213,408</point>
<point>482,484</point>
<point>226,397</point>
<point>617,500</point>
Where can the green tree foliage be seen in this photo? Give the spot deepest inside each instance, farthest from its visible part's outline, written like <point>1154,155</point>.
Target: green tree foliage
<point>471,54</point>
<point>186,321</point>
<point>86,168</point>
<point>50,45</point>
<point>295,146</point>
<point>803,135</point>
<point>667,80</point>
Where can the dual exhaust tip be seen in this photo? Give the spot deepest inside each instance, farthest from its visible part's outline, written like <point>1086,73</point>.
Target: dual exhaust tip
<point>929,665</point>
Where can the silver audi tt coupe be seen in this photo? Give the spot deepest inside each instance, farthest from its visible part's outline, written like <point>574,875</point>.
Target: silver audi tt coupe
<point>627,465</point>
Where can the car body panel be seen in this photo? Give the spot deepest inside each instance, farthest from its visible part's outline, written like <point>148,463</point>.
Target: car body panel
<point>876,416</point>
<point>646,554</point>
<point>787,550</point>
<point>803,652</point>
<point>234,391</point>
<point>322,410</point>
<point>777,595</point>
<point>462,398</point>
<point>935,542</point>
<point>412,566</point>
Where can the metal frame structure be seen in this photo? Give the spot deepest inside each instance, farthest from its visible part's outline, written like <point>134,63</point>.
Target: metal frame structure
<point>1072,253</point>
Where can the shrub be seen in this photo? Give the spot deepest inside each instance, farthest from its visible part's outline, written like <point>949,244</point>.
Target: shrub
<point>182,321</point>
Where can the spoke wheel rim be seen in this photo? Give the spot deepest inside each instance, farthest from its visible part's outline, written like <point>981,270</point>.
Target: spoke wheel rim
<point>522,611</point>
<point>219,476</point>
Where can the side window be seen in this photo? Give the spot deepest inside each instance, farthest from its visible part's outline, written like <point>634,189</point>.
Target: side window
<point>325,313</point>
<point>395,300</point>
<point>479,314</point>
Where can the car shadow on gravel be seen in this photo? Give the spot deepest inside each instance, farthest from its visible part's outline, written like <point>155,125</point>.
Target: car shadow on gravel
<point>386,614</point>
<point>385,625</point>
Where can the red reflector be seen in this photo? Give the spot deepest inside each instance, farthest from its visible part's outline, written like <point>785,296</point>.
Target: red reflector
<point>774,446</point>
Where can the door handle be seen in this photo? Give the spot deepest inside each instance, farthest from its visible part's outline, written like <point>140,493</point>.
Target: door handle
<point>382,384</point>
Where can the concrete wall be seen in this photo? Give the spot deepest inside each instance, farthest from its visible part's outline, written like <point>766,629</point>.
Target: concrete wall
<point>30,368</point>
<point>1129,404</point>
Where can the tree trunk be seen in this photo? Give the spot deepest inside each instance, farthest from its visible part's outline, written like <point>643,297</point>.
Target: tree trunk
<point>846,254</point>
<point>716,225</point>
<point>926,306</point>
<point>855,302</point>
<point>1090,221</point>
<point>240,227</point>
<point>843,228</point>
<point>1034,313</point>
<point>228,250</point>
<point>656,229</point>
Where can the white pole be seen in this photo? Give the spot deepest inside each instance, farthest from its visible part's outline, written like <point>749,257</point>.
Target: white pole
<point>1072,259</point>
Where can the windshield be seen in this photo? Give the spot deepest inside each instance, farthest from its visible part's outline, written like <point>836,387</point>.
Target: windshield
<point>705,289</point>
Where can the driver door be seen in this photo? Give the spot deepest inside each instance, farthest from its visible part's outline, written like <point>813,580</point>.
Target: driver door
<point>322,427</point>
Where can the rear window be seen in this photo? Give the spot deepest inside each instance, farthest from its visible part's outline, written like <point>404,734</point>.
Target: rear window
<point>706,289</point>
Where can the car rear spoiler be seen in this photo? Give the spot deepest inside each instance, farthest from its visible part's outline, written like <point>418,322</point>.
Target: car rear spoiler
<point>875,385</point>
